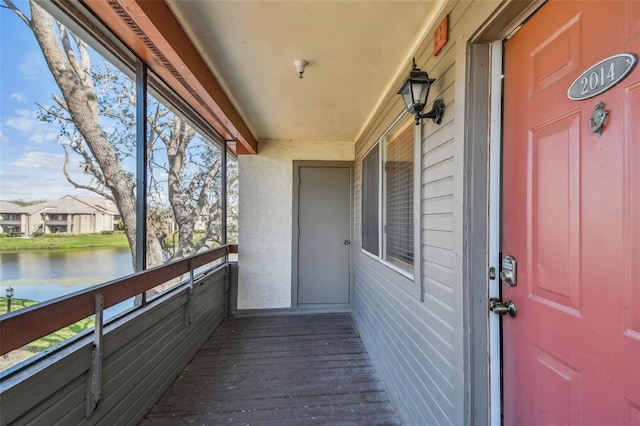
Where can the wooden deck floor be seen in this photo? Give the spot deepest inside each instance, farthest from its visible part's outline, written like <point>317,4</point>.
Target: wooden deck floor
<point>278,370</point>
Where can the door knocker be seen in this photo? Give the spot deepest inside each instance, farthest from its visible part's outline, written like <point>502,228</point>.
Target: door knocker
<point>597,118</point>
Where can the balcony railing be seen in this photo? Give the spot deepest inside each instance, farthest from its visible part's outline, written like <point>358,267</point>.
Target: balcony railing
<point>133,357</point>
<point>21,327</point>
<point>55,221</point>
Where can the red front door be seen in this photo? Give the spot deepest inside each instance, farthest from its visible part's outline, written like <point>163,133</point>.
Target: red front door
<point>571,218</point>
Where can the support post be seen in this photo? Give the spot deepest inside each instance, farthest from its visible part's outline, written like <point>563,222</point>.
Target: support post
<point>223,204</point>
<point>94,382</point>
<point>190,295</point>
<point>223,201</point>
<point>141,171</point>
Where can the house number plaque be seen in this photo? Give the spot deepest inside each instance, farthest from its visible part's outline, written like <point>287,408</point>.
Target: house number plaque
<point>602,76</point>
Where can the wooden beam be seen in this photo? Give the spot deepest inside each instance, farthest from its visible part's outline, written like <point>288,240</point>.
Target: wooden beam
<point>152,32</point>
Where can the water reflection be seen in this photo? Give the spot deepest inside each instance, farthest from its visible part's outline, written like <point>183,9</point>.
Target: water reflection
<point>44,275</point>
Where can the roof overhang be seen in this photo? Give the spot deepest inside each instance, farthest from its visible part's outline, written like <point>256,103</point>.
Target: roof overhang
<point>152,32</point>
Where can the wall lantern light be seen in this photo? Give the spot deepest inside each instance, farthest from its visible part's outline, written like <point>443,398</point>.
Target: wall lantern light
<point>415,92</point>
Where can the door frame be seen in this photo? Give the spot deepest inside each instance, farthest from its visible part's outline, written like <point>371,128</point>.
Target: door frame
<point>294,235</point>
<point>482,207</point>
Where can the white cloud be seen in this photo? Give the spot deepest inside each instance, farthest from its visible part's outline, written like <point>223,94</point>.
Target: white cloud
<point>3,138</point>
<point>40,160</point>
<point>18,97</point>
<point>26,121</point>
<point>39,176</point>
<point>37,185</point>
<point>31,66</point>
<point>43,137</point>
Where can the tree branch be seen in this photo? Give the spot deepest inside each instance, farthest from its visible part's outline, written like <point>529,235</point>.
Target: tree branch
<point>54,113</point>
<point>18,12</point>
<point>65,170</point>
<point>85,62</point>
<point>68,50</point>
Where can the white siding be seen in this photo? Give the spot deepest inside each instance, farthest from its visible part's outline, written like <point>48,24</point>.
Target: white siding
<point>266,221</point>
<point>417,344</point>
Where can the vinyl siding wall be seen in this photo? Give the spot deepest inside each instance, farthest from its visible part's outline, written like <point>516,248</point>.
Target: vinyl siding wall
<point>418,342</point>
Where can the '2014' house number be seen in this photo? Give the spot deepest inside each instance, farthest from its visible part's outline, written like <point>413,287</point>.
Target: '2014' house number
<point>602,76</point>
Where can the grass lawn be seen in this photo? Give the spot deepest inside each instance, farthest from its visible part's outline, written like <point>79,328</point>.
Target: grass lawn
<point>53,338</point>
<point>15,304</point>
<point>63,241</point>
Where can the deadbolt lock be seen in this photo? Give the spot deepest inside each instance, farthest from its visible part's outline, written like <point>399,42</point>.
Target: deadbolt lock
<point>509,271</point>
<point>499,307</point>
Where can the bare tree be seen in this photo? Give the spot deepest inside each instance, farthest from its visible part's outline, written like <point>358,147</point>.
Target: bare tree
<point>193,171</point>
<point>96,115</point>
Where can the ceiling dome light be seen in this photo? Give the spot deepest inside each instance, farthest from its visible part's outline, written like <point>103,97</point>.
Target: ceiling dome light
<point>300,66</point>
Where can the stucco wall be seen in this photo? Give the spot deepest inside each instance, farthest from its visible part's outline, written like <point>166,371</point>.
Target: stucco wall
<point>265,223</point>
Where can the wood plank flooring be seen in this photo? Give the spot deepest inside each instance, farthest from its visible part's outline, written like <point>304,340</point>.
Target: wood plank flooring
<point>278,370</point>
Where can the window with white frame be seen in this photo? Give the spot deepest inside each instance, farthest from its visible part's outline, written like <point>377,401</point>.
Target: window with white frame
<point>371,201</point>
<point>388,198</point>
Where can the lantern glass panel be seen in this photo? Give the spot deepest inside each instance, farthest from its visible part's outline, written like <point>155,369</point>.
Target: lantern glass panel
<point>421,92</point>
<point>407,98</point>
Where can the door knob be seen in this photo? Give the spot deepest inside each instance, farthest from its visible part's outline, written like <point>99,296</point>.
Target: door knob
<point>497,306</point>
<point>346,242</point>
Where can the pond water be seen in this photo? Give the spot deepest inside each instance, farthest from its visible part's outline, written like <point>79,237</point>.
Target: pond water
<point>45,275</point>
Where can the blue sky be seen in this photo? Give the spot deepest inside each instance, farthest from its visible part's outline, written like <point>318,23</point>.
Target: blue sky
<point>31,158</point>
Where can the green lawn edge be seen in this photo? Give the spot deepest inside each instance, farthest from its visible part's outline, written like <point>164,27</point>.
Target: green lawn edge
<point>63,242</point>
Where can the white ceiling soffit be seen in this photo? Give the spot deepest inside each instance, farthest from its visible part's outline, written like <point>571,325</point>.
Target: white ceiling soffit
<point>355,50</point>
